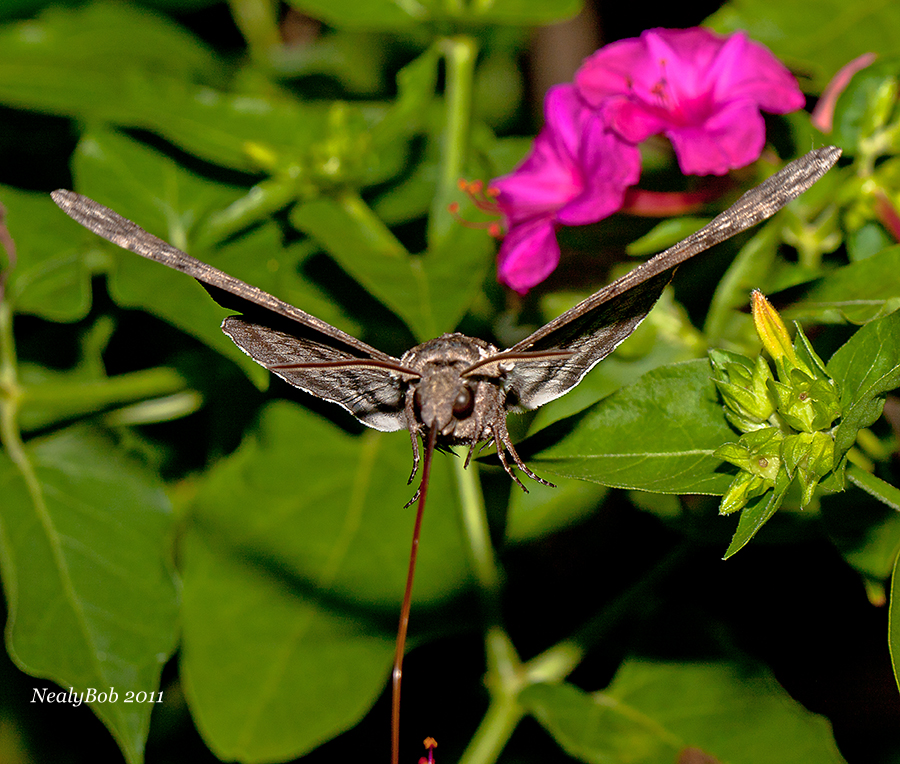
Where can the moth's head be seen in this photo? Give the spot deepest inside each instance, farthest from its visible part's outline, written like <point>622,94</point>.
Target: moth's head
<point>445,399</point>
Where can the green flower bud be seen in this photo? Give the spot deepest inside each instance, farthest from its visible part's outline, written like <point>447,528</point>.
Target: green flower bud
<point>806,404</point>
<point>757,453</point>
<point>743,488</point>
<point>809,456</point>
<point>743,386</point>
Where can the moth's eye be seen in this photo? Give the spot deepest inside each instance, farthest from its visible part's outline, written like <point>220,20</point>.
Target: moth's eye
<point>464,403</point>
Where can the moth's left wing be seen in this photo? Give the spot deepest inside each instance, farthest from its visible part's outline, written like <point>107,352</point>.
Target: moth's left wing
<point>595,327</point>
<point>344,370</point>
<point>372,391</point>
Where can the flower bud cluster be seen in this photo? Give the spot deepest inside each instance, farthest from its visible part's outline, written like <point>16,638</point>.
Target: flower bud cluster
<point>786,419</point>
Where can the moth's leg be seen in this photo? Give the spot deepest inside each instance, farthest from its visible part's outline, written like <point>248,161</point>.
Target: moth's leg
<point>503,442</point>
<point>471,450</point>
<point>412,426</point>
<point>501,454</point>
<point>415,449</point>
<point>414,498</point>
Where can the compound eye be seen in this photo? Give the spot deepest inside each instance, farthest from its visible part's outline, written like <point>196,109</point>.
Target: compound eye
<point>464,403</point>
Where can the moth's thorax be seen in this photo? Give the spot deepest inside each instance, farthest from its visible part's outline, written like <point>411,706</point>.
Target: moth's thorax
<point>460,407</point>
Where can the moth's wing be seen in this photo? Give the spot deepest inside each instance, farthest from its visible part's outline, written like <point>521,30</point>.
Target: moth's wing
<point>594,327</point>
<point>374,396</point>
<point>271,331</point>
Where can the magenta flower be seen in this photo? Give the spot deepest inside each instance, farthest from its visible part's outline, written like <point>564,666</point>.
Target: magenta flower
<point>702,91</point>
<point>576,173</point>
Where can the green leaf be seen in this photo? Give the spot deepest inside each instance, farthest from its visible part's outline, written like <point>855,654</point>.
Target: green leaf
<point>416,84</point>
<point>859,292</point>
<point>654,712</point>
<point>656,435</point>
<point>394,15</point>
<point>84,547</point>
<point>89,43</point>
<point>52,275</point>
<point>541,512</point>
<point>863,112</point>
<point>868,538</point>
<point>664,235</point>
<point>71,63</point>
<point>757,513</point>
<point>664,337</point>
<point>372,14</point>
<point>429,292</point>
<point>875,486</point>
<point>894,621</point>
<point>814,37</point>
<point>293,580</point>
<point>865,368</point>
<point>526,12</point>
<point>269,672</point>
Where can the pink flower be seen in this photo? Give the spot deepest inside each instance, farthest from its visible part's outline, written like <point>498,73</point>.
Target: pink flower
<point>704,92</point>
<point>576,173</point>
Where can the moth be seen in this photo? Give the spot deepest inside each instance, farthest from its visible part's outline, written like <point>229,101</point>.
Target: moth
<point>455,389</point>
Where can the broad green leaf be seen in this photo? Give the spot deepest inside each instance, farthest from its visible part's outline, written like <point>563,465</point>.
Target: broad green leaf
<point>100,38</point>
<point>815,37</point>
<point>402,14</point>
<point>52,275</point>
<point>372,14</point>
<point>857,293</point>
<point>294,578</point>
<point>865,368</point>
<point>656,435</point>
<point>665,234</point>
<point>526,12</point>
<point>757,513</point>
<point>864,110</point>
<point>164,85</point>
<point>416,84</point>
<point>868,538</point>
<point>171,202</point>
<point>543,510</point>
<point>269,672</point>
<point>356,59</point>
<point>894,621</point>
<point>664,337</point>
<point>429,292</point>
<point>654,712</point>
<point>85,552</point>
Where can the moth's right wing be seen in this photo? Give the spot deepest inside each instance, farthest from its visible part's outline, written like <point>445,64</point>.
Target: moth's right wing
<point>593,328</point>
<point>270,331</point>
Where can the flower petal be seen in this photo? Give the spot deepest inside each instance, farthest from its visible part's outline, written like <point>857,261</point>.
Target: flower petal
<point>702,91</point>
<point>608,166</point>
<point>733,138</point>
<point>528,255</point>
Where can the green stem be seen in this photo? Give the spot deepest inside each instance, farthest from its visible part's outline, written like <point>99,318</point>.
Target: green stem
<point>266,197</point>
<point>460,54</point>
<point>478,537</point>
<point>10,398</point>
<point>109,391</point>
<point>258,22</point>
<point>504,680</point>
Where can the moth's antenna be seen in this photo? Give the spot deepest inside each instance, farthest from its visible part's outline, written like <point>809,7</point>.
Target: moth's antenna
<point>397,673</point>
<point>349,363</point>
